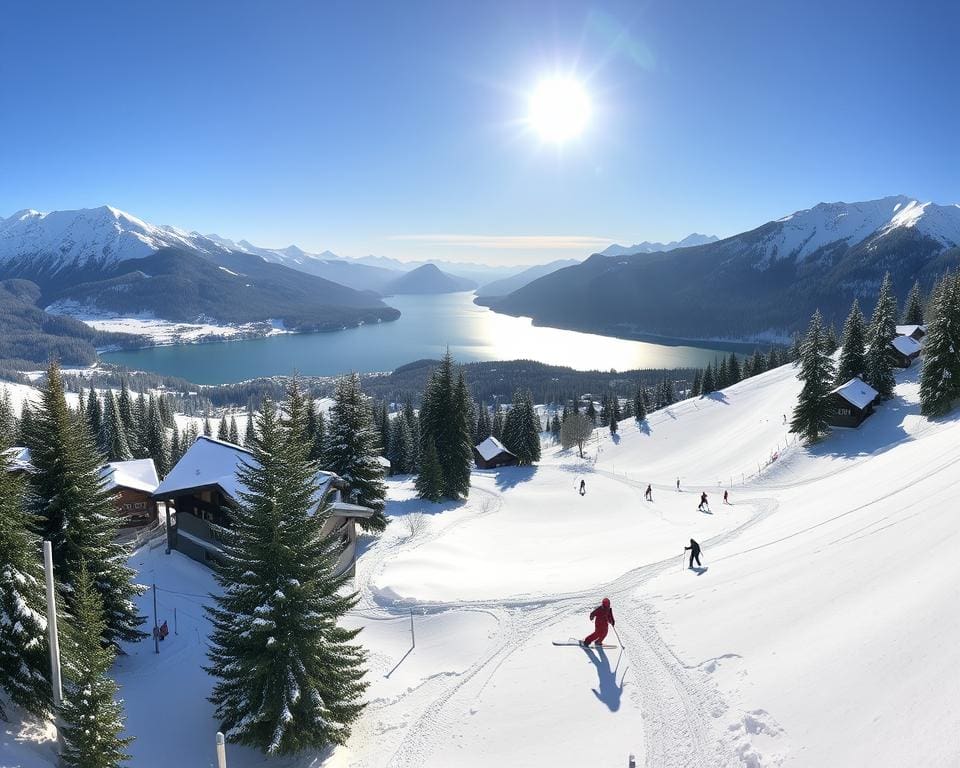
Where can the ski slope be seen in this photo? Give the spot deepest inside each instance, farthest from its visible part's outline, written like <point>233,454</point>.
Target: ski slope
<point>822,629</point>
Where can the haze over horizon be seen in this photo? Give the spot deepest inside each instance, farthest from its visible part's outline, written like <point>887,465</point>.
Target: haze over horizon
<point>502,134</point>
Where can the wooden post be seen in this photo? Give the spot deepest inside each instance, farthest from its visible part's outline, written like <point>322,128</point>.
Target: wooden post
<point>221,751</point>
<point>156,629</point>
<point>53,634</point>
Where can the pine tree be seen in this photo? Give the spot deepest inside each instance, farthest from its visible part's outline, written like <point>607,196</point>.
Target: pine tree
<point>484,426</point>
<point>496,428</point>
<point>288,678</point>
<point>591,412</point>
<point>613,423</point>
<point>400,452</point>
<point>852,360</point>
<point>913,310</point>
<point>521,431</point>
<point>92,715</point>
<point>429,482</point>
<point>639,406</point>
<point>141,417</point>
<point>444,422</point>
<point>707,384</point>
<point>75,512</point>
<point>112,439</point>
<point>8,421</point>
<point>156,444</point>
<point>555,427</point>
<point>830,339</point>
<point>940,375</point>
<point>25,426</point>
<point>125,404</point>
<point>604,418</point>
<point>816,372</point>
<point>234,435</point>
<point>352,447</point>
<point>734,370</point>
<point>775,359</point>
<point>24,658</point>
<point>722,375</point>
<point>250,435</point>
<point>207,429</point>
<point>223,430</point>
<point>882,330</point>
<point>94,415</point>
<point>176,449</point>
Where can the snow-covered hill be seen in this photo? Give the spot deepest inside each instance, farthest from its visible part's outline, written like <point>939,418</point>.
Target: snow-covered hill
<point>648,247</point>
<point>820,630</point>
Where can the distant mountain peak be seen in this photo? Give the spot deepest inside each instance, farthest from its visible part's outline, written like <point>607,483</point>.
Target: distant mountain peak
<point>652,247</point>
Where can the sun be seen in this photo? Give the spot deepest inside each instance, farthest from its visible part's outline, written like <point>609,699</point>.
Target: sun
<point>559,109</point>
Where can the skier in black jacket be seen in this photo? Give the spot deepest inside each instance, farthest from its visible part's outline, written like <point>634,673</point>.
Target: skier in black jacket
<point>694,552</point>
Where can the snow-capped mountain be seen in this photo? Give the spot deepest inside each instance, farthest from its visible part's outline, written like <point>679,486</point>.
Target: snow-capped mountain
<point>763,282</point>
<point>100,236</point>
<point>648,247</point>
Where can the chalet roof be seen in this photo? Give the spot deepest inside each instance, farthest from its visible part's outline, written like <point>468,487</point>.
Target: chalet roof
<point>18,459</point>
<point>137,475</point>
<point>906,346</point>
<point>856,392</point>
<point>345,509</point>
<point>491,447</point>
<point>909,330</point>
<point>215,462</point>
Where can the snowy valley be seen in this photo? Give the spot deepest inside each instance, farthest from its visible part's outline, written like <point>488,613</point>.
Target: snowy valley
<point>821,629</point>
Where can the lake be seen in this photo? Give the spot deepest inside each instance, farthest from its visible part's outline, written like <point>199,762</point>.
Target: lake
<point>428,325</point>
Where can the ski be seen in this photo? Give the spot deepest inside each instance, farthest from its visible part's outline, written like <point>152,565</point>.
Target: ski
<point>577,643</point>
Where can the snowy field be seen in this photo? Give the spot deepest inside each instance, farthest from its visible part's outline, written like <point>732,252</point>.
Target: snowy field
<point>822,629</point>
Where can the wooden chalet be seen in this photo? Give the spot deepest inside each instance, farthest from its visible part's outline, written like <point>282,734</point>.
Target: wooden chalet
<point>204,486</point>
<point>132,484</point>
<point>906,349</point>
<point>491,453</point>
<point>915,332</point>
<point>851,403</point>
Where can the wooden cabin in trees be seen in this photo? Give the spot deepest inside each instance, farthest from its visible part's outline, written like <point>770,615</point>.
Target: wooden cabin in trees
<point>906,349</point>
<point>491,453</point>
<point>851,403</point>
<point>204,486</point>
<point>132,484</point>
<point>915,332</point>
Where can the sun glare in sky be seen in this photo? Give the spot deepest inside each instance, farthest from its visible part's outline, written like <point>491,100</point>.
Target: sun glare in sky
<point>559,109</point>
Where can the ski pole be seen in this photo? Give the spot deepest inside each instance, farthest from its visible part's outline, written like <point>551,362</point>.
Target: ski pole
<point>618,636</point>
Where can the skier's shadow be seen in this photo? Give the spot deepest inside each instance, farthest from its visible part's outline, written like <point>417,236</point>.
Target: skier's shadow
<point>699,569</point>
<point>609,692</point>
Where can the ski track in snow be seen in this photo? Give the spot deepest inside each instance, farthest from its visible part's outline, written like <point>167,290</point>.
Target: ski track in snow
<point>678,703</point>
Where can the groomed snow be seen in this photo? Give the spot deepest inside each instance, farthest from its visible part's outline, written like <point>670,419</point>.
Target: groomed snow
<point>822,628</point>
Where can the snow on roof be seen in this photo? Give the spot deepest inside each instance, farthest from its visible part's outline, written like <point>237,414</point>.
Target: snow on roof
<point>215,462</point>
<point>18,458</point>
<point>137,474</point>
<point>345,509</point>
<point>906,346</point>
<point>909,330</point>
<point>856,392</point>
<point>490,448</point>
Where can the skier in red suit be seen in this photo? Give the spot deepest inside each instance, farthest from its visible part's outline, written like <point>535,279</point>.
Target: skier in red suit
<point>602,617</point>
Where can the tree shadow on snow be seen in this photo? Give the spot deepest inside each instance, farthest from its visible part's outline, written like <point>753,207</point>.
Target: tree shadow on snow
<point>717,397</point>
<point>615,438</point>
<point>608,691</point>
<point>510,477</point>
<point>645,427</point>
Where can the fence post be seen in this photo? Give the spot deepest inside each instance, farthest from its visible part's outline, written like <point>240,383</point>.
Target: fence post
<point>413,638</point>
<point>221,751</point>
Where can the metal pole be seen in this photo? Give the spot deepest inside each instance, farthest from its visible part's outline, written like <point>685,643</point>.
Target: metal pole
<point>413,639</point>
<point>156,629</point>
<point>221,751</point>
<point>52,627</point>
<point>175,621</point>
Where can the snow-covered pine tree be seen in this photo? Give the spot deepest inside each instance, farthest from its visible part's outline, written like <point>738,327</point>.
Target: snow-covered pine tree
<point>555,427</point>
<point>444,421</point>
<point>75,512</point>
<point>125,404</point>
<point>734,369</point>
<point>852,360</point>
<point>207,429</point>
<point>830,339</point>
<point>8,421</point>
<point>883,329</point>
<point>483,424</point>
<point>429,482</point>
<point>234,434</point>
<point>940,375</point>
<point>775,359</point>
<point>223,430</point>
<point>639,406</point>
<point>113,439</point>
<point>591,412</point>
<point>24,657</point>
<point>816,372</point>
<point>91,713</point>
<point>352,446</point>
<point>410,415</point>
<point>157,448</point>
<point>614,422</point>
<point>176,449</point>
<point>288,677</point>
<point>707,383</point>
<point>604,418</point>
<point>759,363</point>
<point>722,376</point>
<point>25,424</point>
<point>141,417</point>
<point>521,431</point>
<point>913,309</point>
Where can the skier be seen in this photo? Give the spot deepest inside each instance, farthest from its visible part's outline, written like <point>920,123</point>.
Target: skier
<point>583,487</point>
<point>648,495</point>
<point>678,485</point>
<point>694,552</point>
<point>725,498</point>
<point>703,502</point>
<point>602,616</point>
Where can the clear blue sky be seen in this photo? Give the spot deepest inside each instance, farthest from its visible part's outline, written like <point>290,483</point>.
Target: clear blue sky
<point>397,128</point>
